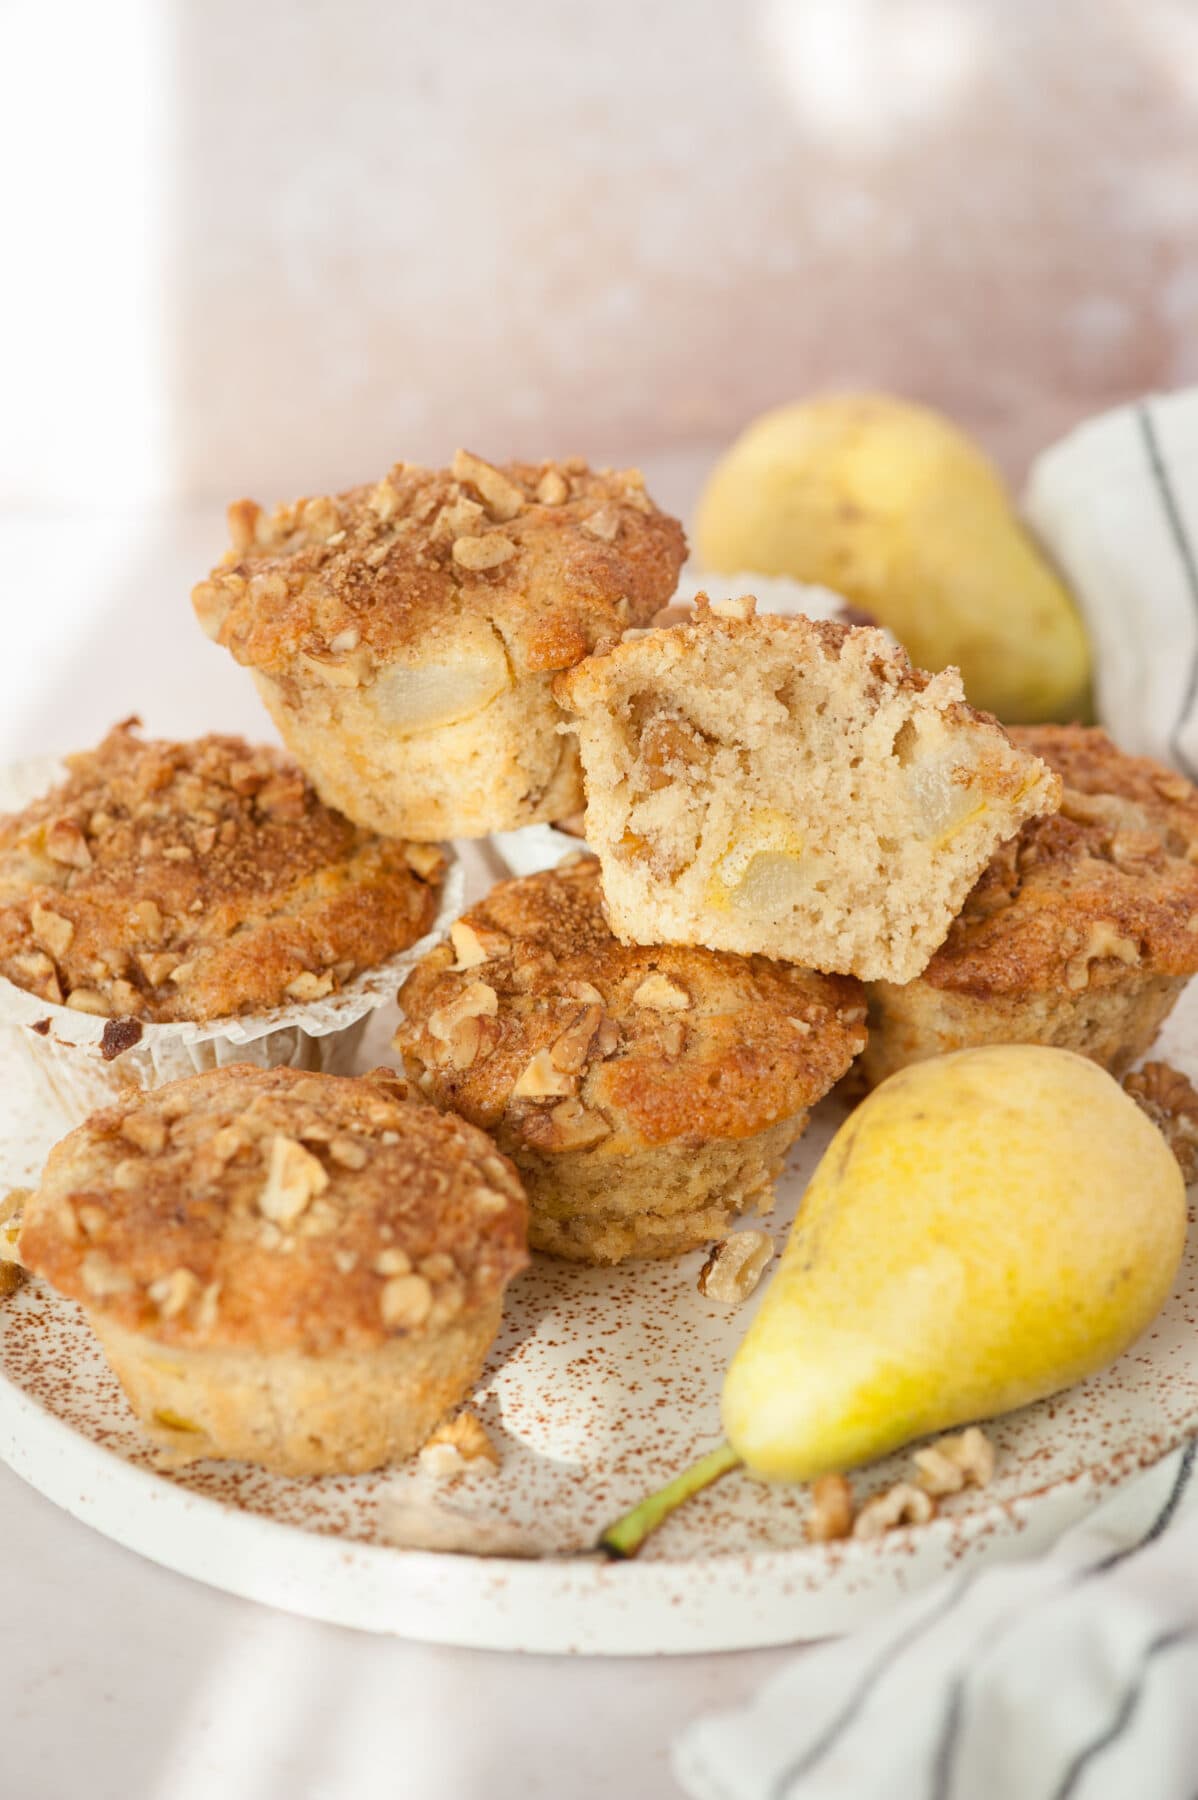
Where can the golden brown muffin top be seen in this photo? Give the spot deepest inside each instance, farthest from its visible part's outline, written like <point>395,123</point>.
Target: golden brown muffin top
<point>197,881</point>
<point>1108,884</point>
<point>272,1209</point>
<point>555,556</point>
<point>537,1023</point>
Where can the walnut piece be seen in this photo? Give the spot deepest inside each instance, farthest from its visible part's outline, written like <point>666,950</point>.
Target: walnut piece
<point>570,1051</point>
<point>146,1130</point>
<point>540,1079</point>
<point>603,523</point>
<point>1171,1102</point>
<point>553,489</point>
<point>903,1504</point>
<point>503,498</point>
<point>486,552</point>
<point>662,993</point>
<point>173,1293</point>
<point>457,1444</point>
<point>735,1266</point>
<point>576,1127</point>
<point>831,1514</point>
<point>294,1177</point>
<point>50,930</point>
<point>952,1463</point>
<point>1102,941</point>
<point>66,844</point>
<point>405,1301</point>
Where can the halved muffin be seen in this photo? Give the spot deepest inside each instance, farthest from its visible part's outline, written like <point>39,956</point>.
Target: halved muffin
<point>405,636</point>
<point>647,1096</point>
<point>1081,933</point>
<point>166,885</point>
<point>302,1271</point>
<point>793,788</point>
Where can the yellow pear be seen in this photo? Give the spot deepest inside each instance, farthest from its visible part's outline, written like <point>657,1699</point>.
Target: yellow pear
<point>894,507</point>
<point>987,1228</point>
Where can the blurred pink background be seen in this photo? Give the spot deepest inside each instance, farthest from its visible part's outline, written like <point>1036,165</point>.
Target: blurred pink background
<point>271,247</point>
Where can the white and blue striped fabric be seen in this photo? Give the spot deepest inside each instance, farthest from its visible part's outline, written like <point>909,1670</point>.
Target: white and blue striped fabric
<point>1073,1676</point>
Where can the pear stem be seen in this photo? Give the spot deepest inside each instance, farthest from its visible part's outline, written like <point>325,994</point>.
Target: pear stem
<point>625,1537</point>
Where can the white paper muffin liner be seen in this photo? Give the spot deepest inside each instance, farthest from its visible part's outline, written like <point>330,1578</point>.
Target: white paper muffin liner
<point>81,1071</point>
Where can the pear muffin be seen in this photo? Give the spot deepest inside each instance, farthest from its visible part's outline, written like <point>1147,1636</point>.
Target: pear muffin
<point>647,1096</point>
<point>1082,931</point>
<point>791,787</point>
<point>405,636</point>
<point>163,883</point>
<point>302,1271</point>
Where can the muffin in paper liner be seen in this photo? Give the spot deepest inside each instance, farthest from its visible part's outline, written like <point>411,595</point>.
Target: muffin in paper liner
<point>85,1062</point>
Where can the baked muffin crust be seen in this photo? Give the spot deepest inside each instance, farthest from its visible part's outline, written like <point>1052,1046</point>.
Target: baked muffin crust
<point>164,881</point>
<point>1082,931</point>
<point>553,556</point>
<point>273,1210</point>
<point>538,1024</point>
<point>646,1095</point>
<point>405,636</point>
<point>1106,885</point>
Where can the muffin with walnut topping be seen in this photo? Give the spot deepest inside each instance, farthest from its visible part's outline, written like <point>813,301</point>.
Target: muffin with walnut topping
<point>1082,931</point>
<point>405,636</point>
<point>164,894</point>
<point>647,1096</point>
<point>302,1271</point>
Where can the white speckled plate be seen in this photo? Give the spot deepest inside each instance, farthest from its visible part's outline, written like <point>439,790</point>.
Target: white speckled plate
<point>601,1384</point>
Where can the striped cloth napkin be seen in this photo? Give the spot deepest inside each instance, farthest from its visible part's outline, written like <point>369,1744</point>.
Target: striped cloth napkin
<point>1073,1676</point>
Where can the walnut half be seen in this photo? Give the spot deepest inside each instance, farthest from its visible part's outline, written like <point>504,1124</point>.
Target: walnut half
<point>1171,1102</point>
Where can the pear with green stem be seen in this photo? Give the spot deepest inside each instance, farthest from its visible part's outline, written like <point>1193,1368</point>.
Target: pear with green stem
<point>987,1228</point>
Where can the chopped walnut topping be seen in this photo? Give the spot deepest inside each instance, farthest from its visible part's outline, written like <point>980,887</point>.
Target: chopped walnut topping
<point>570,1051</point>
<point>173,1293</point>
<point>661,992</point>
<point>87,1000</point>
<point>468,946</point>
<point>553,489</point>
<point>66,844</point>
<point>1171,1102</point>
<point>603,523</point>
<point>952,1463</point>
<point>425,860</point>
<point>392,1262</point>
<point>541,1078</point>
<point>1102,941</point>
<point>405,1301</point>
<point>735,1266</point>
<point>486,552</point>
<point>503,498</point>
<point>158,966</point>
<point>294,1177</point>
<point>573,1126</point>
<point>457,1443</point>
<point>741,610</point>
<point>51,930</point>
<point>146,1130</point>
<point>903,1504</point>
<point>476,1001</point>
<point>831,1515</point>
<point>307,986</point>
<point>349,1152</point>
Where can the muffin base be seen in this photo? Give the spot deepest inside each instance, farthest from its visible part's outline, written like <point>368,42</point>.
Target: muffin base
<point>662,1201</point>
<point>337,1414</point>
<point>504,766</point>
<point>1113,1025</point>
